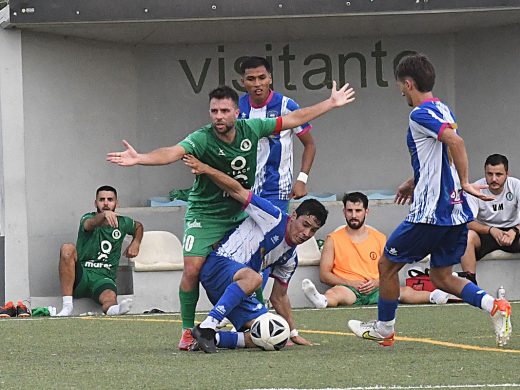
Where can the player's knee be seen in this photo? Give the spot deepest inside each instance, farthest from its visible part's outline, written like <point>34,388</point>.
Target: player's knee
<point>473,238</point>
<point>68,252</point>
<point>192,270</point>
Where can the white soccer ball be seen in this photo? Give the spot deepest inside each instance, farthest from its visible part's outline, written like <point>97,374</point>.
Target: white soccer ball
<point>270,332</point>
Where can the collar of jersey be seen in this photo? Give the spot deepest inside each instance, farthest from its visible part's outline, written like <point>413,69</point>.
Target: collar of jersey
<point>265,103</point>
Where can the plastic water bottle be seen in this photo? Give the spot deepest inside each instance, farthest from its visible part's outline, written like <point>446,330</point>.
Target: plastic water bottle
<point>501,293</point>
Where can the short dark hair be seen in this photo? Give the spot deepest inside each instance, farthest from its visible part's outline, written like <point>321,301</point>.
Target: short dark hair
<point>254,62</point>
<point>224,92</point>
<point>497,159</point>
<point>314,208</point>
<point>106,188</point>
<point>419,68</point>
<point>355,197</point>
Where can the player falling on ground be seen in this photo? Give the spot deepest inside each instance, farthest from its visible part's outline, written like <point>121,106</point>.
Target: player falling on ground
<point>229,145</point>
<point>267,239</point>
<point>436,223</point>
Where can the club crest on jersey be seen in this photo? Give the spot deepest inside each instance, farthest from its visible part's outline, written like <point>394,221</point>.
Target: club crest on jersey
<point>246,145</point>
<point>509,196</point>
<point>116,234</point>
<point>272,114</point>
<point>373,255</point>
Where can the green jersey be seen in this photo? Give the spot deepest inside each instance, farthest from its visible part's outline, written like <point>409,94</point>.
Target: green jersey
<point>100,249</point>
<point>237,159</point>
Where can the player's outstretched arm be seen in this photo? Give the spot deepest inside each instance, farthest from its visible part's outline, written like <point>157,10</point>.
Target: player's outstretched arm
<point>281,303</point>
<point>225,182</point>
<point>161,156</point>
<point>338,98</point>
<point>460,160</point>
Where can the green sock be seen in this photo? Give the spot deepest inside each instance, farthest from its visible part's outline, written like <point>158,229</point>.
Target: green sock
<point>260,294</point>
<point>189,301</point>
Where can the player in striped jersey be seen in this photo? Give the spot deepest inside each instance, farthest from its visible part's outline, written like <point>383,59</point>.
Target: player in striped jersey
<point>436,223</point>
<point>267,239</point>
<point>274,168</point>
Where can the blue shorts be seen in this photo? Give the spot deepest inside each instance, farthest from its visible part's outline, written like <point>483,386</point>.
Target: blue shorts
<point>216,274</point>
<point>411,242</point>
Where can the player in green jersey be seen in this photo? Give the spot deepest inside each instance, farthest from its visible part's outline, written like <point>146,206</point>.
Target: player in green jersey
<point>228,144</point>
<point>89,268</point>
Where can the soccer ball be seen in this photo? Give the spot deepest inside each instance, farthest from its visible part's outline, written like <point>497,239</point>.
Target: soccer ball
<point>270,332</point>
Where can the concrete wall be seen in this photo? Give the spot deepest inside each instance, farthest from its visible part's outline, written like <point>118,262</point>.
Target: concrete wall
<point>80,98</point>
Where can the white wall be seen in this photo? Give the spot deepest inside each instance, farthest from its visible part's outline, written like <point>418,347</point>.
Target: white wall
<point>82,97</point>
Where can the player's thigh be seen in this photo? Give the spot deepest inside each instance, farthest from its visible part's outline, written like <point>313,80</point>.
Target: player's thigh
<point>217,274</point>
<point>200,236</point>
<point>343,295</point>
<point>450,247</point>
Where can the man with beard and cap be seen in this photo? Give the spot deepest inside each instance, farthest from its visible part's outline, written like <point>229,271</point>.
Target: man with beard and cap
<point>349,263</point>
<point>88,269</point>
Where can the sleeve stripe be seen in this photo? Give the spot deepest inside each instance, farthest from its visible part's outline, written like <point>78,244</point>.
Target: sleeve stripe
<point>278,127</point>
<point>304,131</point>
<point>249,197</point>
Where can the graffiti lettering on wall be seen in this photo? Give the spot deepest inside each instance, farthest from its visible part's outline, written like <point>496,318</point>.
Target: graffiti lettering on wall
<point>318,68</point>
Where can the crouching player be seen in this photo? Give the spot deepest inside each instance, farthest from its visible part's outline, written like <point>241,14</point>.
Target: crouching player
<point>230,275</point>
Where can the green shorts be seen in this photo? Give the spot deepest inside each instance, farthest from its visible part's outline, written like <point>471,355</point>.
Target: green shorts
<point>90,284</point>
<point>201,235</point>
<point>364,299</point>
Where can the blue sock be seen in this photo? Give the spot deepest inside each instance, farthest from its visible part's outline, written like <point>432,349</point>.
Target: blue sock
<point>228,301</point>
<point>227,340</point>
<point>472,294</point>
<point>386,309</point>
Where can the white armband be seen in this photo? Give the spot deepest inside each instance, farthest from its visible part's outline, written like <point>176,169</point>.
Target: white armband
<point>302,176</point>
<point>294,333</point>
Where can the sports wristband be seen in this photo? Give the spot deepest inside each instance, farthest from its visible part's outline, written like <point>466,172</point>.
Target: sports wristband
<point>302,176</point>
<point>294,333</point>
<point>489,231</point>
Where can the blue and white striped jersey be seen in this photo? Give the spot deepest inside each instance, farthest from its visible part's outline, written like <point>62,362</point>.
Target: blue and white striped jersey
<point>260,241</point>
<point>274,165</point>
<point>438,198</point>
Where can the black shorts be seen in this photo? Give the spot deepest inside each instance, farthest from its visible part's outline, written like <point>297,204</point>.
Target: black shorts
<point>488,244</point>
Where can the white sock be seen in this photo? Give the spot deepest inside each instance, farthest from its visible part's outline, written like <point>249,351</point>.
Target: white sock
<point>123,308</point>
<point>241,342</point>
<point>439,297</point>
<point>309,289</point>
<point>209,322</point>
<point>487,303</point>
<point>385,328</point>
<point>67,307</point>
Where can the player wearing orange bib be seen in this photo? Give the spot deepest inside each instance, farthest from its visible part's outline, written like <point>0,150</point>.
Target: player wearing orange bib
<point>349,263</point>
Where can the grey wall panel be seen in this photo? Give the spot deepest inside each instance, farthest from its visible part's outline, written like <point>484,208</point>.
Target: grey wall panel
<point>82,97</point>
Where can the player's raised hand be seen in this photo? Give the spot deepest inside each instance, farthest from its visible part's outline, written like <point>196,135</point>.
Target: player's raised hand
<point>127,158</point>
<point>342,96</point>
<point>474,190</point>
<point>197,167</point>
<point>110,218</point>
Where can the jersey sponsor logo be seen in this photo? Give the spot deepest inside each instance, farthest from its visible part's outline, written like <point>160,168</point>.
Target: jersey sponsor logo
<point>509,196</point>
<point>106,248</point>
<point>92,264</point>
<point>498,207</point>
<point>373,255</point>
<point>194,224</point>
<point>116,234</point>
<point>246,145</point>
<point>238,165</point>
<point>272,114</point>
<point>455,197</point>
